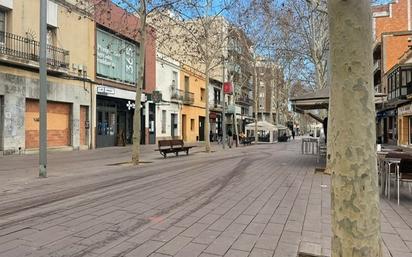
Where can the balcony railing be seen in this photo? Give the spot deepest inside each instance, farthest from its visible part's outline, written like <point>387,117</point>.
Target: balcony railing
<point>377,65</point>
<point>244,100</point>
<point>28,50</point>
<point>182,96</point>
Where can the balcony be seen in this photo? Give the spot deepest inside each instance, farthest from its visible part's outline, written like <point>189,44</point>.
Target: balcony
<point>216,107</point>
<point>377,66</point>
<point>182,96</point>
<point>244,100</point>
<point>20,50</point>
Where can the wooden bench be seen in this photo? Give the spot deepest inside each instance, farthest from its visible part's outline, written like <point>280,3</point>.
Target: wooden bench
<point>172,146</point>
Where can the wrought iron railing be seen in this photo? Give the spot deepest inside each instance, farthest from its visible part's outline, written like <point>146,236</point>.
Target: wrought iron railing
<point>28,49</point>
<point>245,100</point>
<point>183,96</point>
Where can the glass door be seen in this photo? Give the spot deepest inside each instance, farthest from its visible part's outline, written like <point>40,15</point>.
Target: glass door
<point>106,127</point>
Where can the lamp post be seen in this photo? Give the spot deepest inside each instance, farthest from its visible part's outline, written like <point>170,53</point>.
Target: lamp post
<point>43,91</point>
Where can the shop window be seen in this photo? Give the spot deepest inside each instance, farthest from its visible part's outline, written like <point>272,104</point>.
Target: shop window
<point>163,121</point>
<point>192,124</point>
<point>202,94</point>
<point>410,130</point>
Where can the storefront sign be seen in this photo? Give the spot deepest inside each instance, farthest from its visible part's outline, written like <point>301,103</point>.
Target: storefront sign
<point>119,93</point>
<point>116,58</point>
<point>405,110</point>
<point>105,91</point>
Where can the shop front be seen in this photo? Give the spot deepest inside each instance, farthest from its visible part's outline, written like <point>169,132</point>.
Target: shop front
<point>114,117</point>
<point>215,126</point>
<point>405,125</point>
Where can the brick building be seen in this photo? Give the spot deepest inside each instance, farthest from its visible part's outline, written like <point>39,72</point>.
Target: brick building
<point>392,33</point>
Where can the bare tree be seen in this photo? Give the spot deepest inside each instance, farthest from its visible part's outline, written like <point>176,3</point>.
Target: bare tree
<point>303,35</point>
<point>196,33</point>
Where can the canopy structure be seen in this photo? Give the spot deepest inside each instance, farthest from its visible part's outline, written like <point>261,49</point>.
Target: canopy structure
<point>267,132</point>
<point>320,100</point>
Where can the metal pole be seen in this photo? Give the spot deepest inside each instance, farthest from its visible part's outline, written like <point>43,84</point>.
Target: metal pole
<point>223,107</point>
<point>43,90</point>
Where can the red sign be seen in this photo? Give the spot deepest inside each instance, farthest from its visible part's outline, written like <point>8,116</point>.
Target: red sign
<point>212,115</point>
<point>228,88</point>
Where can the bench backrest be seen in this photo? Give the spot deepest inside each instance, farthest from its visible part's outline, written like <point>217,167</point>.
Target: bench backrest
<point>170,143</point>
<point>176,142</point>
<point>163,144</point>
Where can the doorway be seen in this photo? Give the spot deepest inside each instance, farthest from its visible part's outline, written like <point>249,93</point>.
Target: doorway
<point>184,137</point>
<point>201,128</point>
<point>173,123</point>
<point>106,127</point>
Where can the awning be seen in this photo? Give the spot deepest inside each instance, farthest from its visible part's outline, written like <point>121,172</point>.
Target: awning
<point>320,100</point>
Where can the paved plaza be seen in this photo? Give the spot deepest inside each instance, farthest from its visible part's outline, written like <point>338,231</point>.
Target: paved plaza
<point>254,201</point>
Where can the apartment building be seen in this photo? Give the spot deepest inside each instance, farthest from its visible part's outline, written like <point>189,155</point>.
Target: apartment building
<point>69,68</point>
<point>392,33</point>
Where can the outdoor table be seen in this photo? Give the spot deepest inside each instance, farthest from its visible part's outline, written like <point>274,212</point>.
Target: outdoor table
<point>389,162</point>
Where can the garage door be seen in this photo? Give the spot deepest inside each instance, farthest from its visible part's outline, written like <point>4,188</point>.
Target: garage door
<point>58,124</point>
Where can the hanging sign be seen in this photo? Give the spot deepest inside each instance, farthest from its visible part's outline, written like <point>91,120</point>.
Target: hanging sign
<point>228,88</point>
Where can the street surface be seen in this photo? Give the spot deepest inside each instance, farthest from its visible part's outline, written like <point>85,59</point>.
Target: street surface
<point>249,201</point>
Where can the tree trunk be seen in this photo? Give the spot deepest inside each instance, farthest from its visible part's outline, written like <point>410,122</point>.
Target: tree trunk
<point>139,86</point>
<point>355,197</point>
<point>207,119</point>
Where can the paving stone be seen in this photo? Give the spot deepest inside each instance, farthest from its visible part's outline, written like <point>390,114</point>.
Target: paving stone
<point>175,245</point>
<point>220,245</point>
<point>236,253</point>
<point>191,250</point>
<point>245,242</point>
<point>145,249</point>
<point>257,252</point>
<point>255,228</point>
<point>206,237</point>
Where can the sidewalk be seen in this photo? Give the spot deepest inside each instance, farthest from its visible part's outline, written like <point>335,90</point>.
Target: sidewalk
<point>16,170</point>
<point>253,201</point>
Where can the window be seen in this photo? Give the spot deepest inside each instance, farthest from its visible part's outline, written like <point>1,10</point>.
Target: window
<point>202,94</point>
<point>192,124</point>
<point>2,25</point>
<point>51,36</point>
<point>186,83</point>
<point>164,121</point>
<point>174,79</point>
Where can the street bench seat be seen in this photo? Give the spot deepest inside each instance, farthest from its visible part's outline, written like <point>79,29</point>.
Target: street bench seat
<point>172,146</point>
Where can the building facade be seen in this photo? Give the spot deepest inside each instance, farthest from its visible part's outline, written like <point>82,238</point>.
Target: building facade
<point>193,95</point>
<point>70,68</point>
<point>391,26</point>
<point>117,63</point>
<point>168,110</point>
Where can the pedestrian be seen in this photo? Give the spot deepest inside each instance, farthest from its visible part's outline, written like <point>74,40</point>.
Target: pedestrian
<point>230,138</point>
<point>293,134</point>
